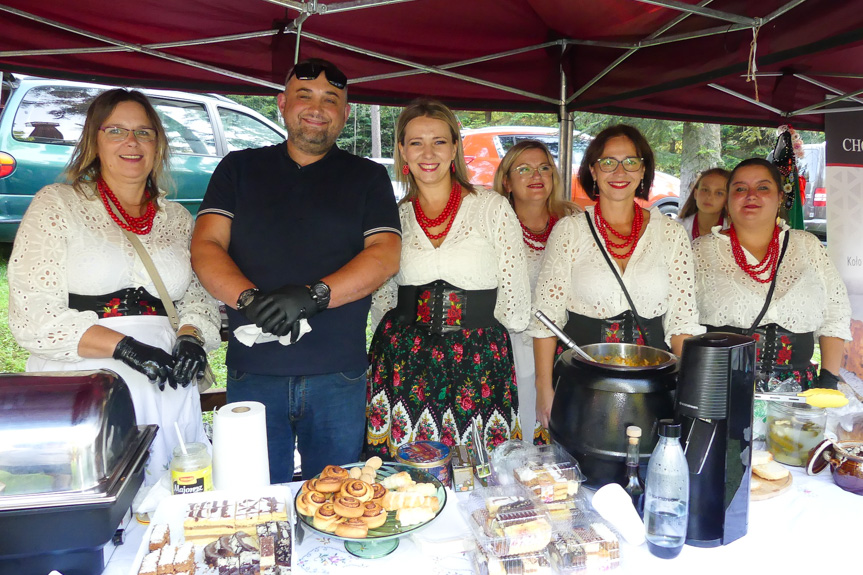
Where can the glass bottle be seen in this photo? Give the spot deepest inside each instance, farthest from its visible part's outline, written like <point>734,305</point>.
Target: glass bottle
<point>666,497</point>
<point>634,485</point>
<point>192,471</point>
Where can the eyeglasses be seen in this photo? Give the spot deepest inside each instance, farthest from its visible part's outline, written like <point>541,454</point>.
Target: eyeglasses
<point>630,164</point>
<point>311,70</point>
<point>118,134</point>
<point>526,171</point>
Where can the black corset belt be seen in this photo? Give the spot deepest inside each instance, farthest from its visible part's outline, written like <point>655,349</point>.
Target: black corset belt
<point>443,308</point>
<point>125,302</point>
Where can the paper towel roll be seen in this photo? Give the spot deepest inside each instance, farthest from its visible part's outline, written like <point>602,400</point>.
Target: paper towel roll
<point>240,446</point>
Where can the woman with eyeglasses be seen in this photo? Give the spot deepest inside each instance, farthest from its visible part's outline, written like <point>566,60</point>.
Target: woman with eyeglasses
<point>705,206</point>
<point>590,258</point>
<point>80,297</point>
<point>529,179</point>
<point>441,357</point>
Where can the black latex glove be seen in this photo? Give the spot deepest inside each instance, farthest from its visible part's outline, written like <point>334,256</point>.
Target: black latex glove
<point>827,380</point>
<point>278,312</point>
<point>190,359</point>
<point>153,362</point>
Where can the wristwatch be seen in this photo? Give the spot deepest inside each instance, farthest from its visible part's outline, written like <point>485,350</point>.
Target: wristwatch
<point>246,298</point>
<point>320,292</point>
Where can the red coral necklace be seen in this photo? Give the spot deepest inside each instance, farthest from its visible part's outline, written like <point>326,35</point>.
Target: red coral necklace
<point>140,226</point>
<point>631,239</point>
<point>537,240</point>
<point>768,264</point>
<point>450,209</point>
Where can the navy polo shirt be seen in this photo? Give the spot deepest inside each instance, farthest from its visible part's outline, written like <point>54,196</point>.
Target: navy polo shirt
<point>296,225</point>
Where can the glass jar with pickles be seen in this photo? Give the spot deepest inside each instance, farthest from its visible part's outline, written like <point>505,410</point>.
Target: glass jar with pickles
<point>793,430</point>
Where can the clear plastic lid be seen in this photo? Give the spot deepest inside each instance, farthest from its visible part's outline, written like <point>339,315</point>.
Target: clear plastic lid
<point>549,472</point>
<point>507,520</point>
<point>589,545</point>
<point>485,563</point>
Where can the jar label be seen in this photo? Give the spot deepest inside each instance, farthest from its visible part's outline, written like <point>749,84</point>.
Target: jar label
<point>192,481</point>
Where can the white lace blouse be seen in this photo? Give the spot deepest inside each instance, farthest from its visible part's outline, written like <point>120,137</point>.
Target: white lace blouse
<point>659,277</point>
<point>67,243</point>
<point>483,250</point>
<point>809,295</point>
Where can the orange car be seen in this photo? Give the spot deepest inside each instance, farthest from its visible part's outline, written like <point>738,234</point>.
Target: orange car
<point>484,148</point>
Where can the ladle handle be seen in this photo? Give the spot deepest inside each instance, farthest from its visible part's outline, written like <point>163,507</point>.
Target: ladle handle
<point>568,341</point>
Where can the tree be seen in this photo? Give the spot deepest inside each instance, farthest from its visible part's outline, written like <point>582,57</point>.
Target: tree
<point>700,150</point>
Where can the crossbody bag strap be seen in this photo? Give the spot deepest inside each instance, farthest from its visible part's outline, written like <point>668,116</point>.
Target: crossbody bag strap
<point>157,279</point>
<point>769,297</point>
<point>616,275</point>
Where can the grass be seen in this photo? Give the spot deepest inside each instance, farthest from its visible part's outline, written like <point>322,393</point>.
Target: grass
<point>13,358</point>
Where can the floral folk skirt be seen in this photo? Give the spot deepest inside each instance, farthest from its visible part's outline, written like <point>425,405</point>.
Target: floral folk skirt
<point>427,386</point>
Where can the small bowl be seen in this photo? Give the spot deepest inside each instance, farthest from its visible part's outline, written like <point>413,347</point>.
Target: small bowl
<point>845,459</point>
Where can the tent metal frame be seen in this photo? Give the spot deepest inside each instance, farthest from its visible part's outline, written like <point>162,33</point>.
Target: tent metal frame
<point>311,8</point>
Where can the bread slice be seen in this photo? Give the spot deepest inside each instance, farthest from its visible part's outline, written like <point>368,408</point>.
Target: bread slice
<point>760,457</point>
<point>770,471</point>
<point>755,483</point>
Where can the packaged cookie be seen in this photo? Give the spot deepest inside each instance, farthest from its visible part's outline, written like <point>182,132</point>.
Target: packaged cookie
<point>549,472</point>
<point>485,563</point>
<point>590,545</point>
<point>507,520</point>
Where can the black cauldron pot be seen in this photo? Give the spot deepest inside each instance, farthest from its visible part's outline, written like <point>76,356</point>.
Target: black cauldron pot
<point>594,403</point>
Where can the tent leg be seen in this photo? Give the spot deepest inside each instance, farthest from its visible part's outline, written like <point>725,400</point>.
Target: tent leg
<point>565,139</point>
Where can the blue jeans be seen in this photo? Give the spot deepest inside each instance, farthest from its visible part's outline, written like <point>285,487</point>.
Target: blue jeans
<point>325,413</point>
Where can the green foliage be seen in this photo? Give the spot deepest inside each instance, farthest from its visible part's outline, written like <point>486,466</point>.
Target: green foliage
<point>264,105</point>
<point>13,358</point>
<point>357,135</point>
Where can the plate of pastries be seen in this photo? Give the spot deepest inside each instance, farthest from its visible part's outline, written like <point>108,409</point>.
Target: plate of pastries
<point>371,500</point>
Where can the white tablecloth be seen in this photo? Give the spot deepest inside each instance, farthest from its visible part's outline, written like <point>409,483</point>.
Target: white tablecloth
<point>812,526</point>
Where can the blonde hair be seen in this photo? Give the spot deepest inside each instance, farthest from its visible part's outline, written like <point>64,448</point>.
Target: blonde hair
<point>555,204</point>
<point>424,108</point>
<point>85,167</point>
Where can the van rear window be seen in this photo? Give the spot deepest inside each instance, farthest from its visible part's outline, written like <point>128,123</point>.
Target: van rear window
<point>53,114</point>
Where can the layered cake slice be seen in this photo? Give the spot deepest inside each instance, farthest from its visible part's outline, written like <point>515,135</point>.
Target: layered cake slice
<point>208,520</point>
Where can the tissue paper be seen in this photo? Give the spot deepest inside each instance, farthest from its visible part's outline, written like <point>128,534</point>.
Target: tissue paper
<point>240,446</point>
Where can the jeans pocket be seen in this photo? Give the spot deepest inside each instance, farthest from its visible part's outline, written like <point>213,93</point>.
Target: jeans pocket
<point>354,376</point>
<point>237,375</point>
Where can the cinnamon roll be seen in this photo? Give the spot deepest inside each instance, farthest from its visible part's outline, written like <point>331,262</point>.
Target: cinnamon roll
<point>309,485</point>
<point>325,518</point>
<point>335,471</point>
<point>354,528</point>
<point>373,514</point>
<point>310,501</point>
<point>328,484</point>
<point>347,506</point>
<point>378,492</point>
<point>358,489</point>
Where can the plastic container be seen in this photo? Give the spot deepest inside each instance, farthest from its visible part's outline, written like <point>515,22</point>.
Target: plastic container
<point>666,497</point>
<point>531,563</point>
<point>793,430</point>
<point>506,520</point>
<point>588,546</point>
<point>430,456</point>
<point>549,472</point>
<point>191,472</point>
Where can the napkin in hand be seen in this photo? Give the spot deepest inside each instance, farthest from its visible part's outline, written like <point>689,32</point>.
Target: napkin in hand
<point>251,334</point>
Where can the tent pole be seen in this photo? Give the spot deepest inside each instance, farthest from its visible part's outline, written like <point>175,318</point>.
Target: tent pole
<point>564,157</point>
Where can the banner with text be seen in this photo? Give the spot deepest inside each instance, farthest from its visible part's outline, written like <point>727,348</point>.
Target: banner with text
<point>844,184</point>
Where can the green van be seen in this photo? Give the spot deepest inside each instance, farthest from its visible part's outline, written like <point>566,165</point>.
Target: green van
<point>41,120</point>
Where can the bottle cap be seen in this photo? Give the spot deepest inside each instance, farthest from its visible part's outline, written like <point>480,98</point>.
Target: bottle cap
<point>633,431</point>
<point>668,428</point>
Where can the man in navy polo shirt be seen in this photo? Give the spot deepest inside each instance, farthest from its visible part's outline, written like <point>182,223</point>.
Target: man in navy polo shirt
<point>301,230</point>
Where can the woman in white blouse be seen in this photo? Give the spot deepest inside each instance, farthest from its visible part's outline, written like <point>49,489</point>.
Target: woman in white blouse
<point>651,254</point>
<point>441,356</point>
<point>735,268</point>
<point>705,206</point>
<point>529,179</point>
<point>79,295</point>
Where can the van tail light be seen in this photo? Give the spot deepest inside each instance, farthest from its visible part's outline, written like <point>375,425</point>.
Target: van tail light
<point>469,159</point>
<point>7,164</point>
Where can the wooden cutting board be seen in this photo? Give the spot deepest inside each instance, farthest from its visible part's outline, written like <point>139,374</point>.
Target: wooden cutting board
<point>768,489</point>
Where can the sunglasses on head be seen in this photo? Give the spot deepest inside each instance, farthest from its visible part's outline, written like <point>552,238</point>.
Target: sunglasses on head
<point>311,70</point>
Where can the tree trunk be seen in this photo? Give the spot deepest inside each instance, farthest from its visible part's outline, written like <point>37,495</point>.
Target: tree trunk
<point>376,131</point>
<point>701,151</point>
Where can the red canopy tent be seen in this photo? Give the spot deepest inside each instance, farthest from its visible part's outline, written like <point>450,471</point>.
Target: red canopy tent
<point>651,58</point>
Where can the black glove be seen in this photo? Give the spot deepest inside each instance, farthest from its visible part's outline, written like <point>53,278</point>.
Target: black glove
<point>278,312</point>
<point>153,362</point>
<point>827,380</point>
<point>190,359</point>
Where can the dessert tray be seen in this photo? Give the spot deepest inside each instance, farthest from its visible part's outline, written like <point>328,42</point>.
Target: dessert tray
<point>383,540</point>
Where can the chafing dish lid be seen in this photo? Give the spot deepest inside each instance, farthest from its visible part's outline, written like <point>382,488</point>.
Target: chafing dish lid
<point>63,433</point>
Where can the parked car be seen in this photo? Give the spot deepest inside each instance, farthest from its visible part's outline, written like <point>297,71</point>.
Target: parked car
<point>484,148</point>
<point>398,189</point>
<point>813,167</point>
<point>41,120</point>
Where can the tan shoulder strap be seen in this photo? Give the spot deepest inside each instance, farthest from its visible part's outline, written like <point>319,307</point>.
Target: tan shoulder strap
<point>157,279</point>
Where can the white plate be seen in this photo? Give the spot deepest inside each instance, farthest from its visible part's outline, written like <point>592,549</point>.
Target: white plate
<point>172,511</point>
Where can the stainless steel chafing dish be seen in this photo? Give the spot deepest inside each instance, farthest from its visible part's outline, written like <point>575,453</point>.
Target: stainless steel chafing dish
<point>71,460</point>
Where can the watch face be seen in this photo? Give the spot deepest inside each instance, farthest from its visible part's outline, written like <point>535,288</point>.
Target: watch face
<point>321,293</point>
<point>246,298</point>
